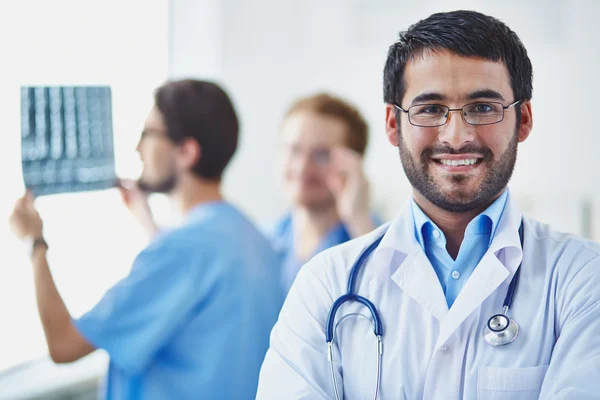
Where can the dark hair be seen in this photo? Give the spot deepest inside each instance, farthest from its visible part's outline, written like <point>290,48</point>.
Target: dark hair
<point>200,110</point>
<point>466,33</point>
<point>335,107</point>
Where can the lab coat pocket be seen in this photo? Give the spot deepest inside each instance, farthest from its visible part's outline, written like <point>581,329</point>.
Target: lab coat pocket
<point>519,383</point>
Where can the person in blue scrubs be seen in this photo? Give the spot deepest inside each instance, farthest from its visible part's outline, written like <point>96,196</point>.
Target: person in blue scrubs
<point>192,318</point>
<point>323,140</point>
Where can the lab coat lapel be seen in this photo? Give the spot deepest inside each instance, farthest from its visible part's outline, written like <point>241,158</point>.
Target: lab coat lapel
<point>490,273</point>
<point>418,280</point>
<point>487,277</point>
<point>415,274</point>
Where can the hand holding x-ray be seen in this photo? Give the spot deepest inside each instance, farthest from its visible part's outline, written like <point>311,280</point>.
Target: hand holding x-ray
<point>136,202</point>
<point>25,221</point>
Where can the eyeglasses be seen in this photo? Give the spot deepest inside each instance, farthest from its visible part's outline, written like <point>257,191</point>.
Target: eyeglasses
<point>152,132</point>
<point>319,156</point>
<point>479,113</point>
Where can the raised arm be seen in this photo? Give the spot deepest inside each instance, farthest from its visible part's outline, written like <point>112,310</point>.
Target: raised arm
<point>65,344</point>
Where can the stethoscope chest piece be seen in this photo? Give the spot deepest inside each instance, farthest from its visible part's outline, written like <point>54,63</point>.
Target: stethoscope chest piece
<point>500,330</point>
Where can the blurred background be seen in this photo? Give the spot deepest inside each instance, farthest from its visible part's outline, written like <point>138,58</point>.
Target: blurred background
<point>265,53</point>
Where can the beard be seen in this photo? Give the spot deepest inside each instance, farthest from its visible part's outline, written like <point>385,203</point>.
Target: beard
<point>165,186</point>
<point>461,199</point>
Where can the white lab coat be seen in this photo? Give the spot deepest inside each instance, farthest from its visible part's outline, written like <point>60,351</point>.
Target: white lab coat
<point>431,352</point>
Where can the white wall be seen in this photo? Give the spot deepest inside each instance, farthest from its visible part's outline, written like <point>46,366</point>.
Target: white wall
<point>268,52</point>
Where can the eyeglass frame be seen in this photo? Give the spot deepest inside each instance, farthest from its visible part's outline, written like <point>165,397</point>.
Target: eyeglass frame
<point>320,156</point>
<point>151,132</point>
<point>455,109</point>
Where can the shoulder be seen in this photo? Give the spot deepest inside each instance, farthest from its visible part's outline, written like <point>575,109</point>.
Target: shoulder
<point>186,236</point>
<point>322,280</point>
<point>569,261</point>
<point>570,265</point>
<point>178,249</point>
<point>279,227</point>
<point>279,232</point>
<point>554,245</point>
<point>228,232</point>
<point>332,266</point>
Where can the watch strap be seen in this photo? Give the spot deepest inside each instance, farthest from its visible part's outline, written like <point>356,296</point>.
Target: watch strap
<point>32,244</point>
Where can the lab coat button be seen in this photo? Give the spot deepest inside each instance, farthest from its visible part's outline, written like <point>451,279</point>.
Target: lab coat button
<point>455,274</point>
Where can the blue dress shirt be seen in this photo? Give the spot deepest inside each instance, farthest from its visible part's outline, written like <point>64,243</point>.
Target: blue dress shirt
<point>453,274</point>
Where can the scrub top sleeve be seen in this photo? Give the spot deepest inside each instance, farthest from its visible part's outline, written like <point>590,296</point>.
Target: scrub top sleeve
<point>296,365</point>
<point>136,317</point>
<point>574,370</point>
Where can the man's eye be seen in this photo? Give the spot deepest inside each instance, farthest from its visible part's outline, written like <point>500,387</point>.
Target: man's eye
<point>483,108</point>
<point>430,110</point>
<point>321,156</point>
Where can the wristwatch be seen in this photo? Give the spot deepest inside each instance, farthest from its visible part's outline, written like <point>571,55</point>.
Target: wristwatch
<point>32,243</point>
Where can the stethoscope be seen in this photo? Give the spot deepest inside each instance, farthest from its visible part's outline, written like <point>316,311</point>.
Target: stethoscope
<point>500,330</point>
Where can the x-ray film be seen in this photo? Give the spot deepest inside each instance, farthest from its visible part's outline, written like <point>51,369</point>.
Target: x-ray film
<point>67,139</point>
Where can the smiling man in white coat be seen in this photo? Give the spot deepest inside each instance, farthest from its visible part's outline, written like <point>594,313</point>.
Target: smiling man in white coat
<point>469,299</point>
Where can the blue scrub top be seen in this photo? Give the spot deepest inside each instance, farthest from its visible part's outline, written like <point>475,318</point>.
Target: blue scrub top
<point>282,237</point>
<point>192,319</point>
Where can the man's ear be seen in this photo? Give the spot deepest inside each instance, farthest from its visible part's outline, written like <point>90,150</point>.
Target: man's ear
<point>391,128</point>
<point>526,123</point>
<point>189,153</point>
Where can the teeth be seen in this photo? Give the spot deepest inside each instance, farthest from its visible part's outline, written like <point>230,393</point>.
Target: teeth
<point>454,163</point>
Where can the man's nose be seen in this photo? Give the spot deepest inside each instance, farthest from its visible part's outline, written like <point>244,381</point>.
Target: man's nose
<point>456,132</point>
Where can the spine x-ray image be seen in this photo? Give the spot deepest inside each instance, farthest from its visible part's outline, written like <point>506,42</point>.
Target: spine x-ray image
<point>67,139</point>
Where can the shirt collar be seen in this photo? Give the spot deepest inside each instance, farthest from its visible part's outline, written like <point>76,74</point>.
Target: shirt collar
<point>486,222</point>
<point>400,233</point>
<point>494,212</point>
<point>421,221</point>
<point>399,240</point>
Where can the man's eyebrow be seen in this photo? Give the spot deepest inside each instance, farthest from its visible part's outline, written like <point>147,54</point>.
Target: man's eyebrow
<point>478,94</point>
<point>428,96</point>
<point>485,94</point>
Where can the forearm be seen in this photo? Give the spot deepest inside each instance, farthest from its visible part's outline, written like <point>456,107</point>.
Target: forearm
<point>64,343</point>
